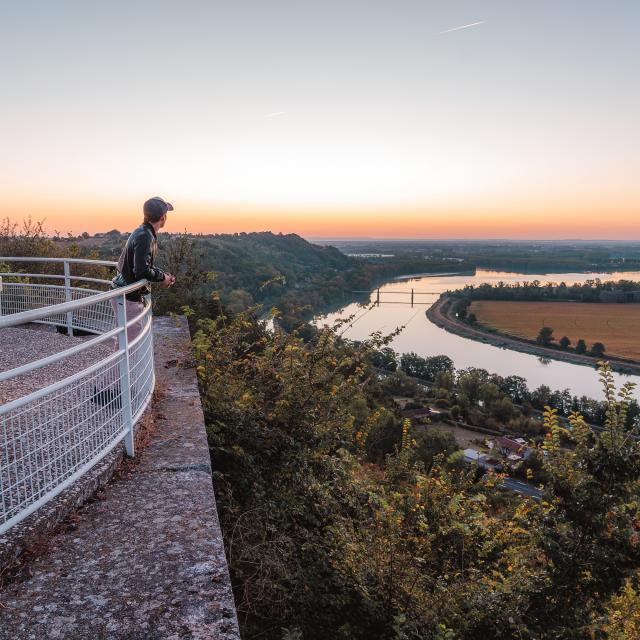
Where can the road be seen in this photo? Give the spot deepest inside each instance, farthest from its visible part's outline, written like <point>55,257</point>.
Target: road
<point>522,488</point>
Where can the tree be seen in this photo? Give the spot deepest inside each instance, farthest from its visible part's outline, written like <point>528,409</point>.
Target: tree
<point>590,539</point>
<point>545,336</point>
<point>581,346</point>
<point>26,240</point>
<point>515,387</point>
<point>181,256</point>
<point>623,612</point>
<point>398,383</point>
<point>425,368</point>
<point>413,365</point>
<point>565,342</point>
<point>460,307</point>
<point>597,350</point>
<point>490,393</point>
<point>541,396</point>
<point>385,358</point>
<point>383,434</point>
<point>532,469</point>
<point>436,365</point>
<point>239,300</point>
<point>433,442</point>
<point>445,380</point>
<point>471,382</point>
<point>502,409</point>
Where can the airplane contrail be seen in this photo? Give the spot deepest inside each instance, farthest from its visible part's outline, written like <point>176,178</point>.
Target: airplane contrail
<point>275,114</point>
<point>464,26</point>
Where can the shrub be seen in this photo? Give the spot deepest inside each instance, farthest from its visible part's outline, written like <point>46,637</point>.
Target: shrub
<point>545,336</point>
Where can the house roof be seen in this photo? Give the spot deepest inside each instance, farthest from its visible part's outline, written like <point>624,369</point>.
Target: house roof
<point>510,445</point>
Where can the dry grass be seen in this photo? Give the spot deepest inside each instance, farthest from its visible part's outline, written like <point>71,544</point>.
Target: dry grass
<point>617,326</point>
<point>464,437</point>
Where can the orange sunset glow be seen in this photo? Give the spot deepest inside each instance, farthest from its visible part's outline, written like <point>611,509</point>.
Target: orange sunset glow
<point>573,220</point>
<point>509,125</point>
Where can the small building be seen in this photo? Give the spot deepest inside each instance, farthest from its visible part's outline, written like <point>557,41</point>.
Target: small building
<point>509,447</point>
<point>472,456</point>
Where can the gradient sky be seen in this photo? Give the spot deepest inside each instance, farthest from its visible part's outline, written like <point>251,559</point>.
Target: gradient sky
<point>332,118</point>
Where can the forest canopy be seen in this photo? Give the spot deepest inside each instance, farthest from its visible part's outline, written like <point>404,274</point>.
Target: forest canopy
<point>326,540</point>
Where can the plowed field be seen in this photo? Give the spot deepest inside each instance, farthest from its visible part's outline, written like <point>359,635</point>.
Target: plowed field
<point>617,326</point>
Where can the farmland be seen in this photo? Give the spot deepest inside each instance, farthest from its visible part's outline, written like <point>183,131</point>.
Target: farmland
<point>617,326</point>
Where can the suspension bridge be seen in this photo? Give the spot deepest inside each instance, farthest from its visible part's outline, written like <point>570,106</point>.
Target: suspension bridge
<point>409,296</point>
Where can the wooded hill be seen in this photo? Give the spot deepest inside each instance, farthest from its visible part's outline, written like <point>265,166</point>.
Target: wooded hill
<point>266,268</point>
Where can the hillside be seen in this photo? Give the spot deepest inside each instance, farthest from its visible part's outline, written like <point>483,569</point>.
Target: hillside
<point>265,268</point>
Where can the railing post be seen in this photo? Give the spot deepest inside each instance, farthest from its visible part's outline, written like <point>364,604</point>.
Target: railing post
<point>67,296</point>
<point>125,375</point>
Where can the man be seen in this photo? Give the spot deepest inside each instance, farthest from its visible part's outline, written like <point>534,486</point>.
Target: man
<point>136,262</point>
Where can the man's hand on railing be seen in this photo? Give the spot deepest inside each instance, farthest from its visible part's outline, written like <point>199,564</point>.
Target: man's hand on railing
<point>169,280</point>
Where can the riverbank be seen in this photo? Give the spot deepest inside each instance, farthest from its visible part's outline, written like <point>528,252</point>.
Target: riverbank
<point>439,314</point>
<point>409,276</point>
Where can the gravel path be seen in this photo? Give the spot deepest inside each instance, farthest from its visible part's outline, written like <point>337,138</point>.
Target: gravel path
<point>43,442</point>
<point>20,345</point>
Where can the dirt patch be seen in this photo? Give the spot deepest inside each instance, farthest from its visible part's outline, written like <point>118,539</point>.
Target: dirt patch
<point>464,437</point>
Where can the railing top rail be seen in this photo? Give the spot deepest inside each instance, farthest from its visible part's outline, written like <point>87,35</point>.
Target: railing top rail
<point>37,314</point>
<point>101,263</point>
<point>50,276</point>
<point>96,406</point>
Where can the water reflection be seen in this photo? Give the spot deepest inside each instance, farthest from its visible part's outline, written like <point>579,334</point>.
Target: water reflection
<point>425,339</point>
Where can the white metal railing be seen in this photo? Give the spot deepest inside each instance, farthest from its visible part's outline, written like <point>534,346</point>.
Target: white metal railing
<point>51,436</point>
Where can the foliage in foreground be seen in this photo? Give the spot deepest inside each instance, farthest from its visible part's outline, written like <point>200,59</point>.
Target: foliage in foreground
<point>322,543</point>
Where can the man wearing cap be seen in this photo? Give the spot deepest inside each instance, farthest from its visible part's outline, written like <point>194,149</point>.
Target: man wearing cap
<point>136,262</point>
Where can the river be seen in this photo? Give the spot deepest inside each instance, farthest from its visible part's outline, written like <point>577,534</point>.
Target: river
<point>426,339</point>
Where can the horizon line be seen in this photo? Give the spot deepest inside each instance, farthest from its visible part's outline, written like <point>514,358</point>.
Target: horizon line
<point>466,239</point>
<point>324,238</point>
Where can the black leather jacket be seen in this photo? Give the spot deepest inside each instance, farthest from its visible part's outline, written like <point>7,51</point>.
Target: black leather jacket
<point>136,261</point>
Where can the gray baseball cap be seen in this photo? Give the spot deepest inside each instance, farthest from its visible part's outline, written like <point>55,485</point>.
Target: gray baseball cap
<point>157,207</point>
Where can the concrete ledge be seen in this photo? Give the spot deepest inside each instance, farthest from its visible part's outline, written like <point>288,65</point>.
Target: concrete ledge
<point>33,532</point>
<point>147,560</point>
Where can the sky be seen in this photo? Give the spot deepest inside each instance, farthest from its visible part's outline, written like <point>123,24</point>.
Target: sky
<point>347,118</point>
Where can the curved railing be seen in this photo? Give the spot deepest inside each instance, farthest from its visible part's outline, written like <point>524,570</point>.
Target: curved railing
<point>91,393</point>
